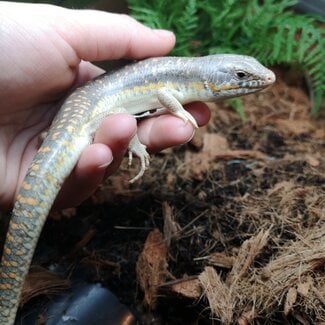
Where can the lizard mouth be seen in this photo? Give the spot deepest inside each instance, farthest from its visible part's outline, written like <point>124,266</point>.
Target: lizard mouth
<point>267,81</point>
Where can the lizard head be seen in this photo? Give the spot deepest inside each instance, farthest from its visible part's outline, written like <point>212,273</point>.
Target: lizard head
<point>230,75</point>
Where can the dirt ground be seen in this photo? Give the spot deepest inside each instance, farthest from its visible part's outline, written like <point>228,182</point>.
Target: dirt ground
<point>228,229</point>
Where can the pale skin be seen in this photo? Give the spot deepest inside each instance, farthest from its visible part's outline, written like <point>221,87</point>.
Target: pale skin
<point>46,51</point>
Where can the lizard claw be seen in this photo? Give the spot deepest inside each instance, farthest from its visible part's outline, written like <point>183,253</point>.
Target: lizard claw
<point>144,165</point>
<point>187,117</point>
<point>139,149</point>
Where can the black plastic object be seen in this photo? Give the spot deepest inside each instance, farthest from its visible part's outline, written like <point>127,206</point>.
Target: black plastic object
<point>84,305</point>
<point>312,6</point>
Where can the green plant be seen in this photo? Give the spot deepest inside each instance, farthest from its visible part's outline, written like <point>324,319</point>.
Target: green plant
<point>267,29</point>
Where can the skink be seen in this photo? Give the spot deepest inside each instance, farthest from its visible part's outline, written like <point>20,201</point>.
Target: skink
<point>168,82</point>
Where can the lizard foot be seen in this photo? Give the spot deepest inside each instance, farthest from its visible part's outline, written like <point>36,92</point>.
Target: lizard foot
<point>139,149</point>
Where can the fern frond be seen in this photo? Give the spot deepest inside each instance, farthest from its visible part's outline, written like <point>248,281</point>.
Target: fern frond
<point>296,40</point>
<point>180,16</point>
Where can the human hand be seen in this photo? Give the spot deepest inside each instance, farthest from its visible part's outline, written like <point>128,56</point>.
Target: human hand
<point>45,51</point>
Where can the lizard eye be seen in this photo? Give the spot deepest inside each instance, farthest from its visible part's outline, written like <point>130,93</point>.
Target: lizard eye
<point>241,74</point>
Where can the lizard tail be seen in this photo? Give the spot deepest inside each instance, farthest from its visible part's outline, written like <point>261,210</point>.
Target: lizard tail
<point>34,201</point>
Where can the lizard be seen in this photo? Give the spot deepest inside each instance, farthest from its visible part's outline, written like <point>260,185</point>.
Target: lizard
<point>163,83</point>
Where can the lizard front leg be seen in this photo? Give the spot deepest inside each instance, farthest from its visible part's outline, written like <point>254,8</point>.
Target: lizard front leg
<point>169,98</point>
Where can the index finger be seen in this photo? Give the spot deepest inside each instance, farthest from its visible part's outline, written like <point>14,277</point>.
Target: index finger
<point>96,35</point>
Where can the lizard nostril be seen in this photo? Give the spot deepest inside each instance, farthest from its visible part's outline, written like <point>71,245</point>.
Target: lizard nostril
<point>271,77</point>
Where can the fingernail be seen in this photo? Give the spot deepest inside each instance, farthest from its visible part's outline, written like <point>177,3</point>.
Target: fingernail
<point>191,137</point>
<point>164,33</point>
<point>103,166</point>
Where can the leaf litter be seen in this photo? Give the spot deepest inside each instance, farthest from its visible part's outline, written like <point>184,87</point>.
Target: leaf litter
<point>227,229</point>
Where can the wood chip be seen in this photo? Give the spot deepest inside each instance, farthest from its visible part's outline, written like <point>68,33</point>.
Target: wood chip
<point>152,266</point>
<point>40,281</point>
<point>221,260</point>
<point>189,288</point>
<point>291,298</point>
<point>171,227</point>
<point>218,295</point>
